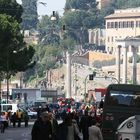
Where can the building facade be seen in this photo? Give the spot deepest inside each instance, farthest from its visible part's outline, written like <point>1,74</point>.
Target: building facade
<point>120,25</point>
<point>97,36</point>
<point>102,3</point>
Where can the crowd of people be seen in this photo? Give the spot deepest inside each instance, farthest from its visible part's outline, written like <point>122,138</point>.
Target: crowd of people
<point>14,119</point>
<point>82,124</point>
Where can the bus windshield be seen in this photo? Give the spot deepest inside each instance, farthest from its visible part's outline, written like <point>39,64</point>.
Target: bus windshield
<point>123,98</point>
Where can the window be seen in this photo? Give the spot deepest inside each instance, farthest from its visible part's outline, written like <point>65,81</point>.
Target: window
<point>123,24</point>
<point>108,39</point>
<point>137,23</point>
<point>108,25</point>
<point>121,98</point>
<point>112,24</point>
<point>112,39</point>
<point>7,107</point>
<point>116,24</point>
<point>120,25</point>
<point>132,24</point>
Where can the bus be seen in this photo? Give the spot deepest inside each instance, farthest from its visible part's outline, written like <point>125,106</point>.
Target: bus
<point>121,102</point>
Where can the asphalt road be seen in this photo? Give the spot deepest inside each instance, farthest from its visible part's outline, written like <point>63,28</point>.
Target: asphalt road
<point>18,133</point>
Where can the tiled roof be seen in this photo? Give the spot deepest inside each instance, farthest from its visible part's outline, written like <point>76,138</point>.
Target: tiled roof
<point>92,56</point>
<point>123,15</point>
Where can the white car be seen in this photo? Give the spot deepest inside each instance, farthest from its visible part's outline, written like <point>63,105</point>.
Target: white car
<point>32,114</point>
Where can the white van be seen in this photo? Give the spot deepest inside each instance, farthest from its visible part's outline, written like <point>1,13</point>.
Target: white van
<point>6,107</point>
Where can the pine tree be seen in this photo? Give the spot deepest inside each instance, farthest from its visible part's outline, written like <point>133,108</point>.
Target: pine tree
<point>30,16</point>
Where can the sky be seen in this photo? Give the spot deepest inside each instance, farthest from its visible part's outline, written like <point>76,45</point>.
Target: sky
<point>52,5</point>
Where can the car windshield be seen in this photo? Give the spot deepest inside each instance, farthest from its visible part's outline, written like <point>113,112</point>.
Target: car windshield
<point>121,98</point>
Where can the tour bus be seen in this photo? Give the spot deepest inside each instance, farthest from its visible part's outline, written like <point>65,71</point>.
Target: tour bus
<point>121,102</point>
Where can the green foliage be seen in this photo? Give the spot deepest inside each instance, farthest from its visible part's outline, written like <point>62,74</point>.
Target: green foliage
<point>67,44</point>
<point>14,55</point>
<point>119,4</point>
<point>85,16</point>
<point>12,8</point>
<point>30,16</point>
<point>80,4</point>
<point>49,31</point>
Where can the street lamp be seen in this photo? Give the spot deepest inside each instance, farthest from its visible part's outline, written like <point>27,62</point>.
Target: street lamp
<point>53,17</point>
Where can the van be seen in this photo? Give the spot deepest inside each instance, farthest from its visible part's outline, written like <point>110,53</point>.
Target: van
<point>6,107</point>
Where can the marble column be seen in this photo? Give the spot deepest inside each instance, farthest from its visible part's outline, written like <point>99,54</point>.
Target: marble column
<point>68,94</point>
<point>125,64</point>
<point>134,65</point>
<point>118,63</point>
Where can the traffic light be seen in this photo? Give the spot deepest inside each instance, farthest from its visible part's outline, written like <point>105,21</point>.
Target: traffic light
<point>91,77</point>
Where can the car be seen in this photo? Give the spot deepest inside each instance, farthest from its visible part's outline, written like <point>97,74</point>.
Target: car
<point>32,114</point>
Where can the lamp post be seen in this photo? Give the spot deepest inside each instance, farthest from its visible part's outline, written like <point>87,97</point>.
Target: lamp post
<point>91,77</point>
<point>85,83</point>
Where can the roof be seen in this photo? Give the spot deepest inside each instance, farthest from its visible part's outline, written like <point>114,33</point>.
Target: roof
<point>93,56</point>
<point>123,15</point>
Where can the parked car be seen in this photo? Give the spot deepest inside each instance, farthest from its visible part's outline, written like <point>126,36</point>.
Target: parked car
<point>32,114</point>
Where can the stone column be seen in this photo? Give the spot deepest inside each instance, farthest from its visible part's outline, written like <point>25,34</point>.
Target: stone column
<point>125,65</point>
<point>118,63</point>
<point>134,65</point>
<point>68,94</point>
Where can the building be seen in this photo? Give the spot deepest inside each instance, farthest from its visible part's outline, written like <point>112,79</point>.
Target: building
<point>97,36</point>
<point>102,3</point>
<point>31,38</point>
<point>27,95</point>
<point>120,25</point>
<point>93,56</point>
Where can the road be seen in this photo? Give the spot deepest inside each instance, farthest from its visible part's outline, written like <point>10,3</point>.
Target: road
<point>17,133</point>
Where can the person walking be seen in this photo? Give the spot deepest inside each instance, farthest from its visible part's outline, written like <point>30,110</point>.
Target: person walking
<point>54,125</point>
<point>3,122</point>
<point>14,119</point>
<point>94,131</point>
<point>42,128</point>
<point>67,130</point>
<point>19,117</point>
<point>84,124</point>
<point>26,119</point>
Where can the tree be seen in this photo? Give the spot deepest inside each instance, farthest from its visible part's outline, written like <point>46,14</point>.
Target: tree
<point>12,8</point>
<point>85,16</point>
<point>30,16</point>
<point>15,55</point>
<point>50,30</point>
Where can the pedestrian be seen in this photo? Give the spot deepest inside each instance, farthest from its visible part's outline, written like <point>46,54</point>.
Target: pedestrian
<point>94,131</point>
<point>42,129</point>
<point>84,124</point>
<point>66,130</point>
<point>54,125</point>
<point>26,119</point>
<point>19,117</point>
<point>14,119</point>
<point>3,122</point>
